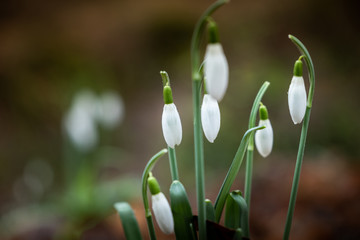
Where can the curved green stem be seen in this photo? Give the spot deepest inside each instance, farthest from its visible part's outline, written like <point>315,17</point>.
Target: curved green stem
<point>250,149</point>
<point>145,175</point>
<point>309,65</point>
<point>198,137</point>
<point>304,130</point>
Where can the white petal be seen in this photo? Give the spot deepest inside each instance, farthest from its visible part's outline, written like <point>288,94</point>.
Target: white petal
<point>171,125</point>
<point>162,212</point>
<point>297,99</point>
<point>264,138</point>
<point>216,70</point>
<point>210,117</point>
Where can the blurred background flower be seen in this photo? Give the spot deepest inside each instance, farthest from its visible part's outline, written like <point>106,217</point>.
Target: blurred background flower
<point>54,53</point>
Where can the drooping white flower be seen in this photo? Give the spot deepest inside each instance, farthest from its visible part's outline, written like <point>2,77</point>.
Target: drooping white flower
<point>171,125</point>
<point>210,117</point>
<point>264,138</point>
<point>216,71</point>
<point>162,212</point>
<point>297,99</point>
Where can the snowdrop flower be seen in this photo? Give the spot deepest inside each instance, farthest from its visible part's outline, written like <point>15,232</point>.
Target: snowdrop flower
<point>216,71</point>
<point>297,94</point>
<point>161,207</point>
<point>216,68</point>
<point>79,122</point>
<point>264,137</point>
<point>171,123</point>
<point>110,109</point>
<point>210,117</point>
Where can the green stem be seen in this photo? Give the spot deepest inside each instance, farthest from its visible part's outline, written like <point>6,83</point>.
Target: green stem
<point>145,175</point>
<point>173,164</point>
<point>250,149</point>
<point>199,161</point>
<point>304,130</point>
<point>198,138</point>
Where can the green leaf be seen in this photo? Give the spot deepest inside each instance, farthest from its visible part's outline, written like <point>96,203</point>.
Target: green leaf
<point>210,211</point>
<point>181,210</point>
<point>130,225</point>
<point>236,213</point>
<point>231,175</point>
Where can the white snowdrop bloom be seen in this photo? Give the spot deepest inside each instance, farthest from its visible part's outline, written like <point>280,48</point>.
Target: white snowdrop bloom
<point>171,125</point>
<point>216,71</point>
<point>79,122</point>
<point>297,99</point>
<point>110,109</point>
<point>210,117</point>
<point>81,130</point>
<point>264,138</point>
<point>162,212</point>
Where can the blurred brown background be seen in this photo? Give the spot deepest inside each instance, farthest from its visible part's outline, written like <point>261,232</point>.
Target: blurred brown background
<point>52,50</point>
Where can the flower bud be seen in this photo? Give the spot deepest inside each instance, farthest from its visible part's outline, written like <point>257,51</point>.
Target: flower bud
<point>210,117</point>
<point>216,71</point>
<point>171,125</point>
<point>297,94</point>
<point>264,138</point>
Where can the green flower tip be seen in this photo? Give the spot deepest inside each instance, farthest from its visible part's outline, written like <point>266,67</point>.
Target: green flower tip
<point>168,98</point>
<point>165,78</point>
<point>153,185</point>
<point>237,192</point>
<point>213,31</point>
<point>263,112</point>
<point>298,68</point>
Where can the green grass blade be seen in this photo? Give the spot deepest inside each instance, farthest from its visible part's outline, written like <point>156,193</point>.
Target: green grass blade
<point>129,223</point>
<point>181,210</point>
<point>233,171</point>
<point>237,214</point>
<point>210,211</point>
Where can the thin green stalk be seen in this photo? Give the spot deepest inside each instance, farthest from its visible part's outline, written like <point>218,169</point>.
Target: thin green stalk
<point>199,161</point>
<point>198,138</point>
<point>145,175</point>
<point>173,164</point>
<point>250,149</point>
<point>304,130</point>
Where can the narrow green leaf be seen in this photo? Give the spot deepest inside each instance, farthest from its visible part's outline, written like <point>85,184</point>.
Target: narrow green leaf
<point>210,211</point>
<point>236,213</point>
<point>233,171</point>
<point>181,210</point>
<point>129,223</point>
